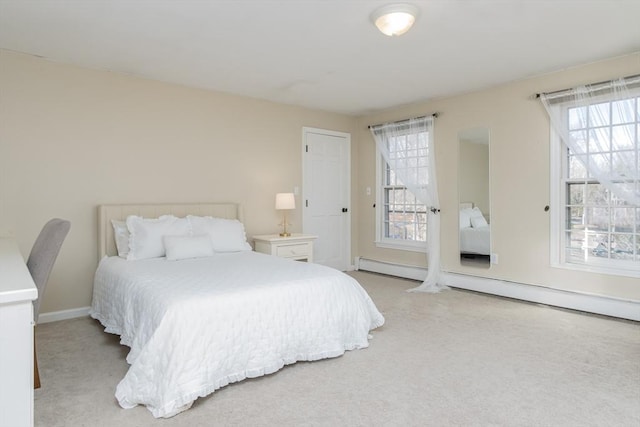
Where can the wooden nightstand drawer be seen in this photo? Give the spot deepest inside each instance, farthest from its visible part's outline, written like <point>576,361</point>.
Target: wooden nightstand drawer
<point>296,246</point>
<point>290,251</point>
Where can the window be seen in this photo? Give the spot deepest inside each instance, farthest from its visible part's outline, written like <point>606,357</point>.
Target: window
<point>594,229</point>
<point>402,219</point>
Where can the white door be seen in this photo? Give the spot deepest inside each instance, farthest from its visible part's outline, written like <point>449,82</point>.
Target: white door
<point>326,189</point>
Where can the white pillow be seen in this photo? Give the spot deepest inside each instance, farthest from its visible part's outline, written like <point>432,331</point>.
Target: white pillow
<point>479,222</point>
<point>145,240</point>
<point>475,212</point>
<point>183,247</point>
<point>227,235</point>
<point>465,219</point>
<point>121,236</point>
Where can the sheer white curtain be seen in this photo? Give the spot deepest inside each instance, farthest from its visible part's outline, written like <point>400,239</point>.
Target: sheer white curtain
<point>414,173</point>
<point>598,123</point>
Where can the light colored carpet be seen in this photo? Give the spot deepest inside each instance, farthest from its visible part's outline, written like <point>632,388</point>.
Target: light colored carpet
<point>451,359</point>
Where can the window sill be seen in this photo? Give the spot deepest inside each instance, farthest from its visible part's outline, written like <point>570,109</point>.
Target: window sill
<point>404,246</point>
<point>624,272</point>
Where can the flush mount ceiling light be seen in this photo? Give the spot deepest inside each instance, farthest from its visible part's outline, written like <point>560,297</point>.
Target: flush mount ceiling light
<point>394,19</point>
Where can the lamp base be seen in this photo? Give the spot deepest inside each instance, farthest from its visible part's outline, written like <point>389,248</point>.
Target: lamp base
<point>285,234</point>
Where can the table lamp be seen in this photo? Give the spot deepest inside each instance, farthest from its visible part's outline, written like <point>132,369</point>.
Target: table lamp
<point>285,202</point>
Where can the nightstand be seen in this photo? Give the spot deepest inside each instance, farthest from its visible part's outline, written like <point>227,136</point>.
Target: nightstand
<point>296,246</point>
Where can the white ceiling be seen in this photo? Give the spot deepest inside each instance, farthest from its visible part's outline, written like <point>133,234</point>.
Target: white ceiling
<point>323,54</point>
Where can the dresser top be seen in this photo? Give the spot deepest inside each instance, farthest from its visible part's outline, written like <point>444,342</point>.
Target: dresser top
<point>16,283</point>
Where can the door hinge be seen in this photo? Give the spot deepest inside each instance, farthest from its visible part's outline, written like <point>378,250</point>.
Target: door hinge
<point>306,203</point>
<point>306,148</point>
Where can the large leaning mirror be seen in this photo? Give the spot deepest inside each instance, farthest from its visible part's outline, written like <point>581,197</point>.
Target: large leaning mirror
<point>474,197</point>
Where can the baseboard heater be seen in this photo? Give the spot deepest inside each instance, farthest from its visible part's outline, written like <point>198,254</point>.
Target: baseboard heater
<point>620,308</point>
<point>598,304</point>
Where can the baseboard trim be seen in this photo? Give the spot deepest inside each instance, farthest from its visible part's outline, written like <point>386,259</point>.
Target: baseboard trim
<point>598,304</point>
<point>608,306</point>
<point>392,269</point>
<point>54,316</point>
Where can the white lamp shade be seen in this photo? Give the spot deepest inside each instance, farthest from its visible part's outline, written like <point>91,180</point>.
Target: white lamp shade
<point>395,19</point>
<point>285,201</point>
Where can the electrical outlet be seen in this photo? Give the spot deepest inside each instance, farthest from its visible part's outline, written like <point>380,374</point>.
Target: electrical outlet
<point>494,258</point>
<point>368,191</point>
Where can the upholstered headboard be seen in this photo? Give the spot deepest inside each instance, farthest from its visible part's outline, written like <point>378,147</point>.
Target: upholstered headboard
<point>106,241</point>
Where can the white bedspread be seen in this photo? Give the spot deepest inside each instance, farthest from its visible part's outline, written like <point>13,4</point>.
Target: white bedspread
<point>197,325</point>
<point>475,240</point>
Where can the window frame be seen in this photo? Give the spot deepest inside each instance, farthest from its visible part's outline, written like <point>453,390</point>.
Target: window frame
<point>559,184</point>
<point>381,240</point>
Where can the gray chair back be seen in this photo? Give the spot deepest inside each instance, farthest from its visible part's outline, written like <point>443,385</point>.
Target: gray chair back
<point>43,255</point>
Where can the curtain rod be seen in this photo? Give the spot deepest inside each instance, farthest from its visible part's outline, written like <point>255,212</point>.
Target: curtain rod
<point>434,115</point>
<point>605,84</point>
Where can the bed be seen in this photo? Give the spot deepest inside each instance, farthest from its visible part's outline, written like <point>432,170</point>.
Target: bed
<point>475,233</point>
<point>196,324</point>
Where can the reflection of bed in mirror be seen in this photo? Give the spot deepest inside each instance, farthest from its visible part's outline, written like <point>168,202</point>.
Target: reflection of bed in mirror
<point>475,233</point>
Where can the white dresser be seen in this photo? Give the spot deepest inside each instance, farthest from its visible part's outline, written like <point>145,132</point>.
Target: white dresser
<point>17,291</point>
<point>296,246</point>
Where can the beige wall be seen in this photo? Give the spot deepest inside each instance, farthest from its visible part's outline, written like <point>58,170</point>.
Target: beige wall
<point>473,177</point>
<point>73,138</point>
<point>519,130</point>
